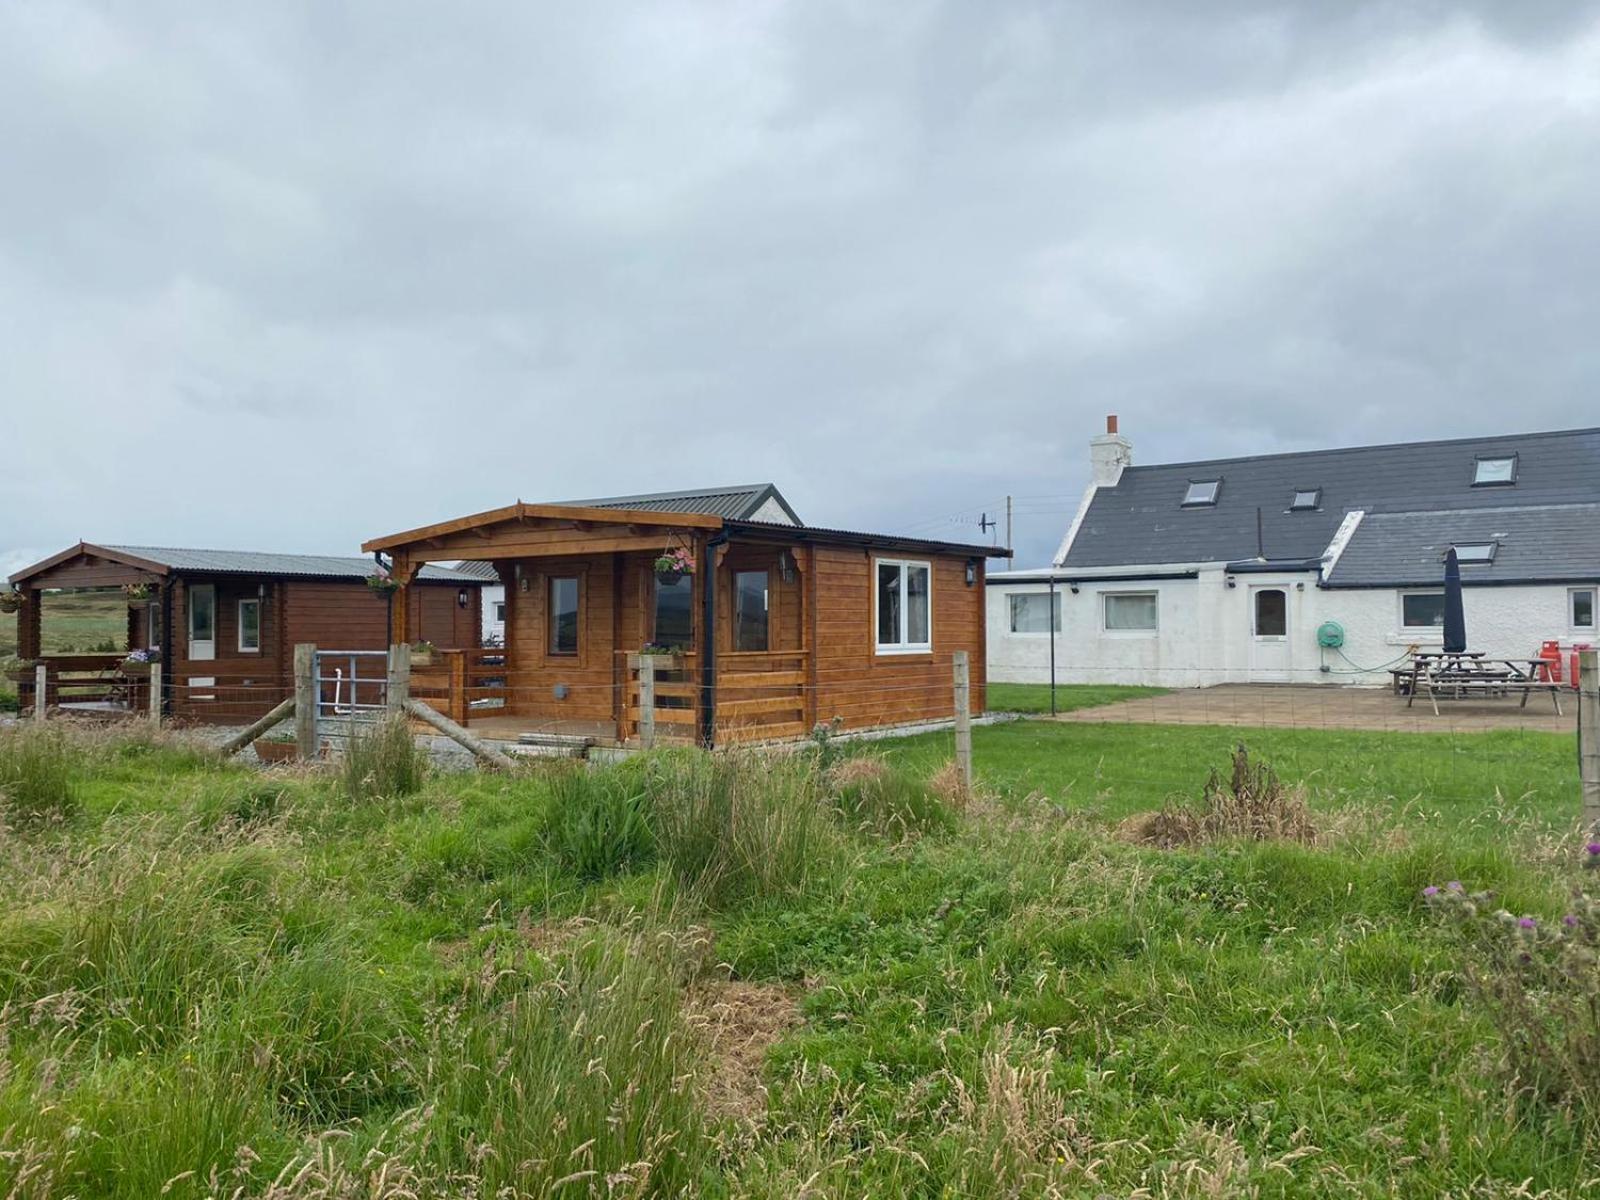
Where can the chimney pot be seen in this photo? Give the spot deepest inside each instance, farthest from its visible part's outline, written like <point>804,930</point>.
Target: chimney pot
<point>1111,422</point>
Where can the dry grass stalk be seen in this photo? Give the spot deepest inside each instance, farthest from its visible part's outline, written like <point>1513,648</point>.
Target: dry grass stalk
<point>1252,804</point>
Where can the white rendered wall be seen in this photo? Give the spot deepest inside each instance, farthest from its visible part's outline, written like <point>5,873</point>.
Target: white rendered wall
<point>1205,632</point>
<point>493,594</point>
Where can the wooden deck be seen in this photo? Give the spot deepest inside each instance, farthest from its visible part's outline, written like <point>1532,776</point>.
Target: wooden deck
<point>511,729</point>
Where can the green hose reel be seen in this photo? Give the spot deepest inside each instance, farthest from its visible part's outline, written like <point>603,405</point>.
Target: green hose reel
<point>1330,635</point>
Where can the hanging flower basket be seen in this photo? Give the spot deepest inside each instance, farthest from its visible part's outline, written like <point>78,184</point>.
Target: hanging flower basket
<point>674,564</point>
<point>137,593</point>
<point>383,583</point>
<point>10,602</point>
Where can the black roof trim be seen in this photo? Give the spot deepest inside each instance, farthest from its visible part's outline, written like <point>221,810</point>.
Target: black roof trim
<point>1047,577</point>
<point>878,541</point>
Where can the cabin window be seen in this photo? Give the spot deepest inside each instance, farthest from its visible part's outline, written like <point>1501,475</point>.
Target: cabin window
<point>1493,471</point>
<point>250,626</point>
<point>1476,552</point>
<point>1580,607</point>
<point>1202,493</point>
<point>1130,612</point>
<point>1422,610</point>
<point>564,615</point>
<point>751,621</point>
<point>904,616</point>
<point>674,613</point>
<point>1036,613</point>
<point>1306,500</point>
<point>500,612</point>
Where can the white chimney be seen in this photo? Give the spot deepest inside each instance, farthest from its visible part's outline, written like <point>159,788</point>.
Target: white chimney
<point>1109,454</point>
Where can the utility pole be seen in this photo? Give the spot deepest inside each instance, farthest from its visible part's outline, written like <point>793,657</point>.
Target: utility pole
<point>1009,545</point>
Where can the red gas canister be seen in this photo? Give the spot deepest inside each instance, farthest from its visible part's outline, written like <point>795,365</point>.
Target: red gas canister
<point>1551,653</point>
<point>1576,646</point>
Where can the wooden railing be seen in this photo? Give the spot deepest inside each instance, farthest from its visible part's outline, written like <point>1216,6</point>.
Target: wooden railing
<point>458,683</point>
<point>78,679</point>
<point>677,697</point>
<point>761,695</point>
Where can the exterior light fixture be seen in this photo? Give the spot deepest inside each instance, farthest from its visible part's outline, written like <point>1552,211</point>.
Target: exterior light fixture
<point>461,598</point>
<point>1232,582</point>
<point>972,571</point>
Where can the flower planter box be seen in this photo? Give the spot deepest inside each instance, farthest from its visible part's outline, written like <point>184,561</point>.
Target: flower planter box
<point>276,752</point>
<point>663,662</point>
<point>422,658</point>
<point>134,670</point>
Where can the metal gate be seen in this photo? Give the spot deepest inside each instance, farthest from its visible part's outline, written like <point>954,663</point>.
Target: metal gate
<point>352,690</point>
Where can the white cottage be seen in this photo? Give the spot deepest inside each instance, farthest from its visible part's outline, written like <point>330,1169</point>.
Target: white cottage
<point>1315,567</point>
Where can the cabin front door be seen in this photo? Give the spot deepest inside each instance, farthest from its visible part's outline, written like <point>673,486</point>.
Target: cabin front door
<point>202,636</point>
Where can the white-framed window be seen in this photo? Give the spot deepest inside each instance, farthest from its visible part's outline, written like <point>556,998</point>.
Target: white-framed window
<point>250,626</point>
<point>1035,612</point>
<point>500,612</point>
<point>903,605</point>
<point>1202,493</point>
<point>1422,610</point>
<point>1581,609</point>
<point>1494,469</point>
<point>1130,612</point>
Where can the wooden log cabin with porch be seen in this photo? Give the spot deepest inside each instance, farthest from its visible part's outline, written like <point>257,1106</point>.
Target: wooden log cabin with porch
<point>237,615</point>
<point>809,625</point>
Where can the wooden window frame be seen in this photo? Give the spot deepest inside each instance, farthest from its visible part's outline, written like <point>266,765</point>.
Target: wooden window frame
<point>238,614</point>
<point>902,647</point>
<point>733,608</point>
<point>550,581</point>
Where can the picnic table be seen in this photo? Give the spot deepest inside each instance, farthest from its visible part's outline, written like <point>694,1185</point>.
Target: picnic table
<point>1469,674</point>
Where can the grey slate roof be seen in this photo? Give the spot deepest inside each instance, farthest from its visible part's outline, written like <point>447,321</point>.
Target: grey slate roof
<point>1141,520</point>
<point>1539,542</point>
<point>250,562</point>
<point>735,502</point>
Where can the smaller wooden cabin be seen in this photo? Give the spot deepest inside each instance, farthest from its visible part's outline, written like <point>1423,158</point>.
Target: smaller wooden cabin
<point>747,624</point>
<point>226,623</point>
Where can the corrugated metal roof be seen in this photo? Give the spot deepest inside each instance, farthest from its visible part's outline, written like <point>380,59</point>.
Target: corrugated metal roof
<point>1534,543</point>
<point>818,532</point>
<point>1142,521</point>
<point>734,502</point>
<point>484,572</point>
<point>251,562</point>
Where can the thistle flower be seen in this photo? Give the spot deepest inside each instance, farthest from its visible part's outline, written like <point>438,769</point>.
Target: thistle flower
<point>1593,848</point>
<point>1569,921</point>
<point>1455,885</point>
<point>1528,923</point>
<point>1430,891</point>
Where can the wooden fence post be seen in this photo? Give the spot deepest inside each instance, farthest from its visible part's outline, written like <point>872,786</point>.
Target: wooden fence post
<point>41,691</point>
<point>458,686</point>
<point>398,689</point>
<point>963,719</point>
<point>305,701</point>
<point>1589,735</point>
<point>155,694</point>
<point>647,701</point>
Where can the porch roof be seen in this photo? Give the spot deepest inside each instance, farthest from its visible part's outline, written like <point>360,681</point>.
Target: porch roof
<point>439,535</point>
<point>159,561</point>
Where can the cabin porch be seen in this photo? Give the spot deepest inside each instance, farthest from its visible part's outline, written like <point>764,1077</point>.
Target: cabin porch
<point>594,629</point>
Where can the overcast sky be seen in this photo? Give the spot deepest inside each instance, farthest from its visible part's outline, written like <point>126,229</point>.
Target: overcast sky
<point>291,278</point>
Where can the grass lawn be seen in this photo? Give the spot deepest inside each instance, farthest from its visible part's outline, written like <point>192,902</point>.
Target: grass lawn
<point>1035,697</point>
<point>514,983</point>
<point>73,622</point>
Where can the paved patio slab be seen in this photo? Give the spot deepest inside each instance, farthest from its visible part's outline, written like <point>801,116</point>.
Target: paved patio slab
<point>1289,706</point>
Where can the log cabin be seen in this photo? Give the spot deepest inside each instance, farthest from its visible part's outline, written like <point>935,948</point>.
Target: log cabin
<point>744,624</point>
<point>235,617</point>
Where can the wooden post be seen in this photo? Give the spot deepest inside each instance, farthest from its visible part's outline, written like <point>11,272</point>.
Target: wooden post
<point>41,690</point>
<point>1589,735</point>
<point>459,735</point>
<point>155,694</point>
<point>398,688</point>
<point>458,685</point>
<point>245,736</point>
<point>647,701</point>
<point>963,719</point>
<point>305,701</point>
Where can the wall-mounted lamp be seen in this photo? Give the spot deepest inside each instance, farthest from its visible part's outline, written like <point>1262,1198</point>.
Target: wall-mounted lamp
<point>522,580</point>
<point>1074,589</point>
<point>972,571</point>
<point>786,566</point>
<point>1232,582</point>
<point>1301,586</point>
<point>461,598</point>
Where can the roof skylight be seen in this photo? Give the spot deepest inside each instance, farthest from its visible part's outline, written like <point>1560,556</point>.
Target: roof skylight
<point>1476,552</point>
<point>1306,498</point>
<point>1202,492</point>
<point>1489,471</point>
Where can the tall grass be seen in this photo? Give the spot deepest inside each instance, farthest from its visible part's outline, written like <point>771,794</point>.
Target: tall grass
<point>36,776</point>
<point>598,823</point>
<point>383,762</point>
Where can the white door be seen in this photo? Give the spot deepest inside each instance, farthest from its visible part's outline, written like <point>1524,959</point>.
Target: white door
<point>1270,649</point>
<point>202,635</point>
